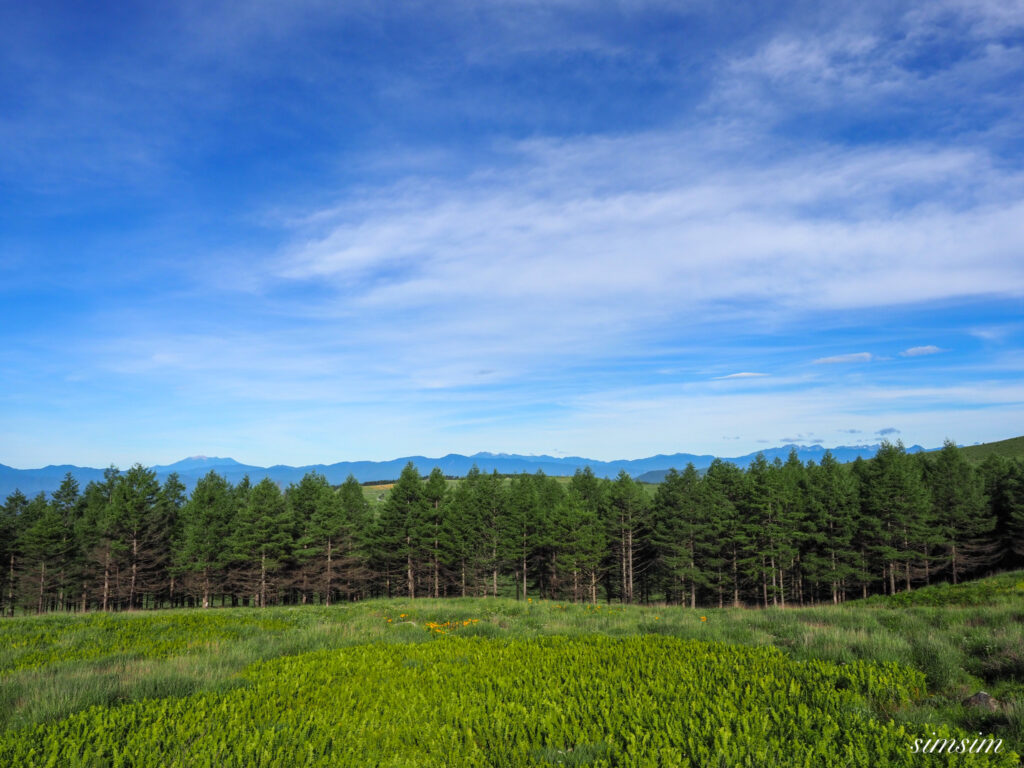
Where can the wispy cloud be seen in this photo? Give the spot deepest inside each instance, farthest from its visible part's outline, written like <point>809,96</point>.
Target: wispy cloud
<point>415,275</point>
<point>887,431</point>
<point>852,357</point>
<point>930,349</point>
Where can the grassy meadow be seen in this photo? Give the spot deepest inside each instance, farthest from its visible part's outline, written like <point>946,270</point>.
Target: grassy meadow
<point>888,669</point>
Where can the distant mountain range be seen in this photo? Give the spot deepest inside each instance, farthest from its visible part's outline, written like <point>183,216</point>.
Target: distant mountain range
<point>651,469</point>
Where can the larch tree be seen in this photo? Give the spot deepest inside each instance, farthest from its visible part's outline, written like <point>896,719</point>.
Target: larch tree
<point>41,543</point>
<point>260,541</point>
<point>401,525</point>
<point>206,521</point>
<point>723,490</point>
<point>832,509</point>
<point>518,529</point>
<point>11,518</point>
<point>167,519</point>
<point>67,503</point>
<point>961,516</point>
<point>677,527</point>
<point>626,511</point>
<point>897,499</point>
<point>136,531</point>
<point>461,531</point>
<point>96,543</point>
<point>435,502</point>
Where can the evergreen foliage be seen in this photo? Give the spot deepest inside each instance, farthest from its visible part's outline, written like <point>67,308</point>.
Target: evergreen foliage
<point>775,534</point>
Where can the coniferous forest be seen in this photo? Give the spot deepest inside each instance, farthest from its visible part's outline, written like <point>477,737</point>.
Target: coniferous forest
<point>773,534</point>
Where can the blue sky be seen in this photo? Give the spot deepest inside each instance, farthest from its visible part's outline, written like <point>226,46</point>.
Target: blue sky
<point>298,232</point>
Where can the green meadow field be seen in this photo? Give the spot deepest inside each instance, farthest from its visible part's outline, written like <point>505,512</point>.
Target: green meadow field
<point>471,682</point>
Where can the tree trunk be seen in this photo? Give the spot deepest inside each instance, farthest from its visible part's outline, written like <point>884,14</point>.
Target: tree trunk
<point>42,586</point>
<point>735,582</point>
<point>10,589</point>
<point>629,539</point>
<point>106,579</point>
<point>135,570</point>
<point>410,576</point>
<point>437,571</point>
<point>524,566</point>
<point>329,574</point>
<point>263,580</point>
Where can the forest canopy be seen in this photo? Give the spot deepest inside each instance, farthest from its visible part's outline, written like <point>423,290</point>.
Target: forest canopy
<point>773,534</point>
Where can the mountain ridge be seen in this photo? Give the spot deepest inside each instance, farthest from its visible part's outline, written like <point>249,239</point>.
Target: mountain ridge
<point>648,469</point>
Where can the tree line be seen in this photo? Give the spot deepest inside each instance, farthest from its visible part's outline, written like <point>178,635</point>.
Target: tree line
<point>775,534</point>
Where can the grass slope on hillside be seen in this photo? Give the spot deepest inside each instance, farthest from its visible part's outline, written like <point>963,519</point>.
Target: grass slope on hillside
<point>1011,448</point>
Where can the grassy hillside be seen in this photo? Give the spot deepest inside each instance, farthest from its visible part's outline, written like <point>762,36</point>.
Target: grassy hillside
<point>1013,447</point>
<point>959,639</point>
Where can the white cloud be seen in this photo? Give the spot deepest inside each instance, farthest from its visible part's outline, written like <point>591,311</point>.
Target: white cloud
<point>579,247</point>
<point>853,357</point>
<point>743,375</point>
<point>929,349</point>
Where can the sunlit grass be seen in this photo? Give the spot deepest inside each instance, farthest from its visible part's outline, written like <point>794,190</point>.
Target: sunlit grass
<point>52,666</point>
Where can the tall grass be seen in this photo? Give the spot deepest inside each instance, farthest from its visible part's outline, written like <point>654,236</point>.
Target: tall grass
<point>53,666</point>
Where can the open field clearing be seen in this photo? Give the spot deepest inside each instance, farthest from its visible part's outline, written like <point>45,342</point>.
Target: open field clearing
<point>501,682</point>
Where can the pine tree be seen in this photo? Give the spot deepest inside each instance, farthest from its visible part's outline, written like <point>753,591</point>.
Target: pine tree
<point>96,541</point>
<point>832,506</point>
<point>461,531</point>
<point>579,528</point>
<point>260,541</point>
<point>761,509</point>
<point>400,527</point>
<point>897,499</point>
<point>333,525</point>
<point>66,502</point>
<point>677,529</point>
<point>42,545</point>
<point>518,529</point>
<point>626,523</point>
<point>492,504</point>
<point>960,513</point>
<point>587,497</point>
<point>206,521</point>
<point>11,518</point>
<point>728,532</point>
<point>793,530</point>
<point>352,538</point>
<point>435,498</point>
<point>547,545</point>
<point>167,521</point>
<point>1011,492</point>
<point>136,531</point>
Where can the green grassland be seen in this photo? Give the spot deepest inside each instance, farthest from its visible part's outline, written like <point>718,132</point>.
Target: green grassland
<point>499,682</point>
<point>1011,448</point>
